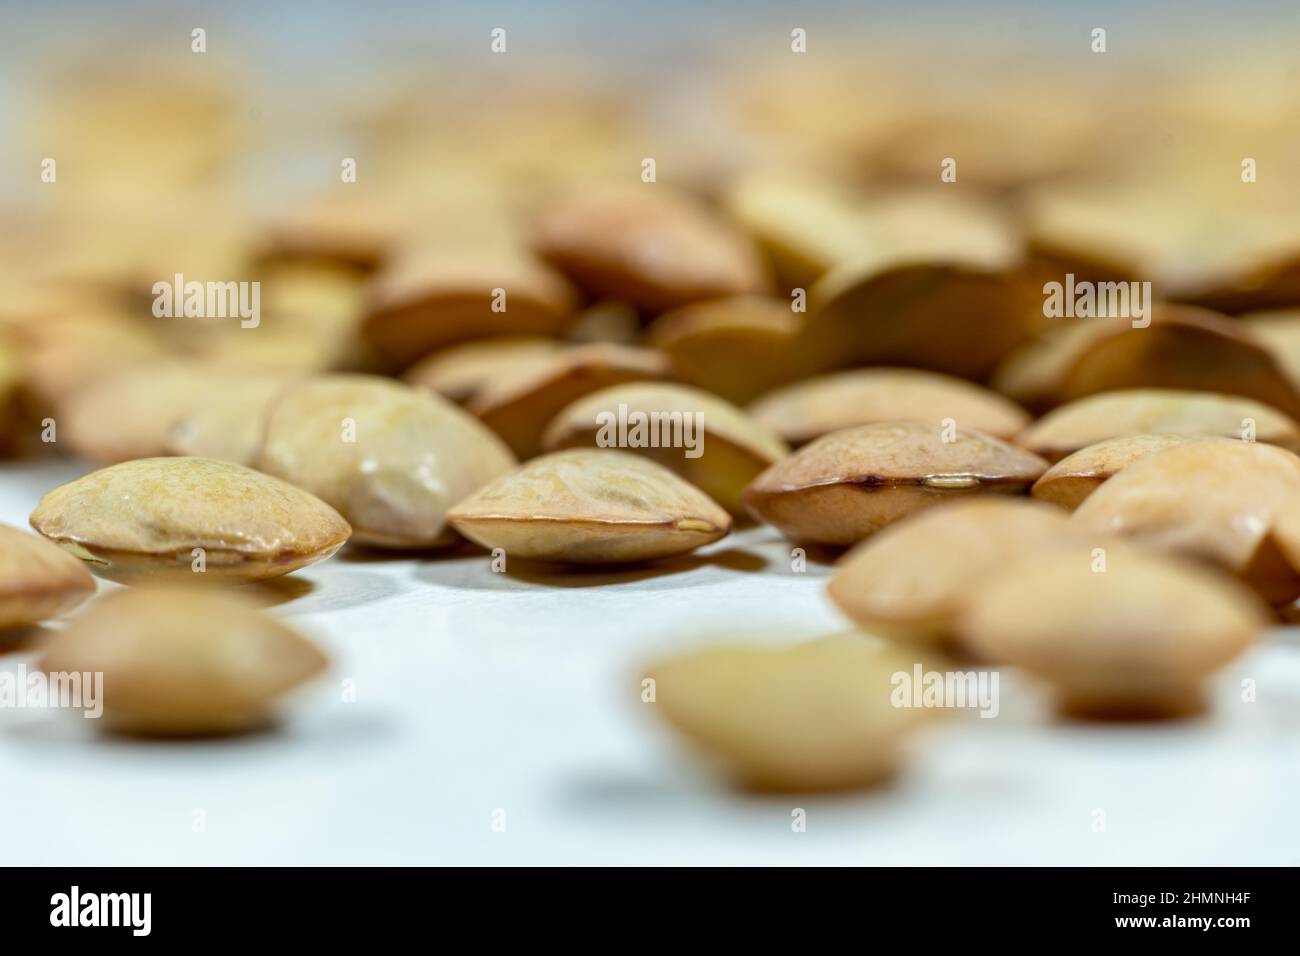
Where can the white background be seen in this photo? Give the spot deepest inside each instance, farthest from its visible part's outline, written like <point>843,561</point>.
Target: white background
<point>479,691</point>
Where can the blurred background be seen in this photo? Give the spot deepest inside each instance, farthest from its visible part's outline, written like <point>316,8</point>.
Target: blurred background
<point>226,164</point>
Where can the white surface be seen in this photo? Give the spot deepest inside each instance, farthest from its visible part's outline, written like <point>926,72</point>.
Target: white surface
<point>478,691</point>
